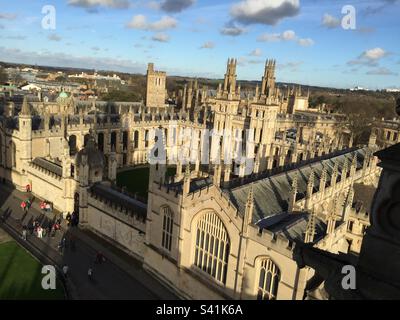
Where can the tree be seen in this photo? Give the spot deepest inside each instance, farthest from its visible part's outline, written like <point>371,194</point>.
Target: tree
<point>3,76</point>
<point>61,79</point>
<point>121,96</point>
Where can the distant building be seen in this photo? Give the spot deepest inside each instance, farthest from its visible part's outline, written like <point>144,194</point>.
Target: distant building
<point>156,92</point>
<point>31,86</point>
<point>215,230</point>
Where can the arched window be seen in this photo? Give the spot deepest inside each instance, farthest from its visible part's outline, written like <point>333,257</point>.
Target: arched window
<point>1,150</point>
<point>136,139</point>
<point>72,144</point>
<point>113,141</point>
<point>168,223</point>
<point>212,246</point>
<point>86,139</point>
<point>100,141</point>
<point>147,138</point>
<point>269,280</point>
<point>13,155</point>
<point>125,140</point>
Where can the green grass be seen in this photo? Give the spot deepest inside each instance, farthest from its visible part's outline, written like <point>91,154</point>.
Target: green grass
<point>20,275</point>
<point>137,180</point>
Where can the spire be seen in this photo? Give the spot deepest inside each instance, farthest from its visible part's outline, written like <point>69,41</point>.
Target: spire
<point>310,229</point>
<point>26,110</point>
<point>186,180</point>
<point>353,167</point>
<point>334,174</point>
<point>293,193</point>
<point>331,223</point>
<point>345,169</point>
<point>350,195</point>
<point>249,206</point>
<point>310,184</point>
<point>217,175</point>
<point>322,183</point>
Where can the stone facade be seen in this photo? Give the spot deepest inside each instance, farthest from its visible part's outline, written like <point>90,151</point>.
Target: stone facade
<point>156,92</point>
<point>216,230</point>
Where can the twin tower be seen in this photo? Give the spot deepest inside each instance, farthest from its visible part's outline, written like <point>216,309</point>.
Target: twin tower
<point>156,92</point>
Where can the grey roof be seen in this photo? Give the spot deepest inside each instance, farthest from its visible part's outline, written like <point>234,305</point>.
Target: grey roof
<point>293,225</point>
<point>48,165</point>
<point>119,199</point>
<point>271,194</point>
<point>95,158</point>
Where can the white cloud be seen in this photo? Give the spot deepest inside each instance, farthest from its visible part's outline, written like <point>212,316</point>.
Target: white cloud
<point>60,59</point>
<point>374,54</point>
<point>292,65</point>
<point>306,42</point>
<point>7,16</point>
<point>161,37</point>
<point>173,6</point>
<point>88,4</point>
<point>268,12</point>
<point>369,57</point>
<point>270,37</point>
<point>54,37</point>
<point>140,22</point>
<point>288,35</point>
<point>330,21</point>
<point>208,45</point>
<point>256,53</point>
<point>382,72</point>
<point>232,30</point>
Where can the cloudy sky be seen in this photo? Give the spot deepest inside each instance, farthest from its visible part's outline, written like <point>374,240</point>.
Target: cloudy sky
<point>196,37</point>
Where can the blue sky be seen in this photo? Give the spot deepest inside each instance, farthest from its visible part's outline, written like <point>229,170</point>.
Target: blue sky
<point>196,37</point>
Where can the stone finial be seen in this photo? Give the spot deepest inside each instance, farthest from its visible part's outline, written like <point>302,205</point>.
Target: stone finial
<point>310,183</point>
<point>322,183</point>
<point>26,110</point>
<point>249,206</point>
<point>345,169</point>
<point>186,180</point>
<point>293,193</point>
<point>310,229</point>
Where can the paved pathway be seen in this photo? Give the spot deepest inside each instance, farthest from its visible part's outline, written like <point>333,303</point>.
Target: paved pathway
<point>120,277</point>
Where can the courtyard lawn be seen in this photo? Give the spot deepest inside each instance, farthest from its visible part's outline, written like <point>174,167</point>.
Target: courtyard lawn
<point>137,180</point>
<point>20,275</point>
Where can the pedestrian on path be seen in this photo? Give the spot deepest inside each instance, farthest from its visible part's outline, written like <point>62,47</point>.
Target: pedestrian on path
<point>90,273</point>
<point>60,246</point>
<point>65,271</point>
<point>24,235</point>
<point>99,258</point>
<point>40,232</point>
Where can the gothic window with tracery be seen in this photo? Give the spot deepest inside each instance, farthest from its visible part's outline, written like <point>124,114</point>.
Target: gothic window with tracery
<point>268,281</point>
<point>212,246</point>
<point>168,223</point>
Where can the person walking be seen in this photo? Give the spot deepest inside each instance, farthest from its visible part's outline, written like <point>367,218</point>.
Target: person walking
<point>24,233</point>
<point>65,271</point>
<point>90,273</point>
<point>60,247</point>
<point>99,258</point>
